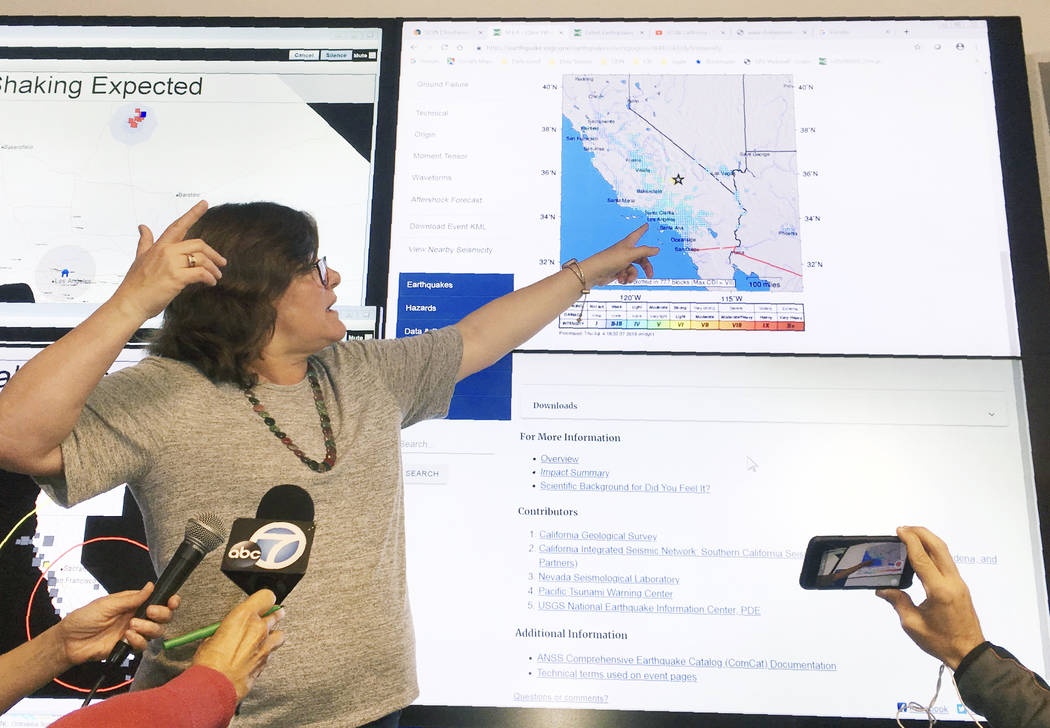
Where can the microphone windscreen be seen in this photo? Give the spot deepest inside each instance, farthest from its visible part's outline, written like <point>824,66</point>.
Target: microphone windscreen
<point>286,503</point>
<point>207,531</point>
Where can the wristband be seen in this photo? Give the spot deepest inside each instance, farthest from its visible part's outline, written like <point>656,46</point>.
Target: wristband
<point>574,265</point>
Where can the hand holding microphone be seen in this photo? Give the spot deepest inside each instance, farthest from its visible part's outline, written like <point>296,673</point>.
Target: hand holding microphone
<point>90,632</point>
<point>243,643</point>
<point>203,534</point>
<point>84,635</point>
<point>266,556</point>
<point>270,551</point>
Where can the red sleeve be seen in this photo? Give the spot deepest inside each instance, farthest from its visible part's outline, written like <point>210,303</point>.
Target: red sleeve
<point>198,698</point>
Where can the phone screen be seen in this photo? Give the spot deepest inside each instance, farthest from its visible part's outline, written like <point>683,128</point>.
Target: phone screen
<point>857,562</point>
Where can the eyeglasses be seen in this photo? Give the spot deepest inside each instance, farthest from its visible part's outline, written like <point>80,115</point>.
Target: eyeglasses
<point>322,269</point>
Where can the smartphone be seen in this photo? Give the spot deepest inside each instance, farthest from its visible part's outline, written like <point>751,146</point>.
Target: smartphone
<point>855,562</point>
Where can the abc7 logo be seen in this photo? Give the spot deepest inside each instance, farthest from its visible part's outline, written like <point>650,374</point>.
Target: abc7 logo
<point>274,546</point>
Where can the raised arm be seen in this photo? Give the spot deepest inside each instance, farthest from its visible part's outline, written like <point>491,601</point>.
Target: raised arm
<point>40,404</point>
<point>498,327</point>
<point>990,680</point>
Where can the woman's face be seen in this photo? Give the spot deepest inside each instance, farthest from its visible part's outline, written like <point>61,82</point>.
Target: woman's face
<point>305,322</point>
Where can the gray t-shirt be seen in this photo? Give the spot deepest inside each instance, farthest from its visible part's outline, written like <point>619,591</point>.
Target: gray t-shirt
<point>187,446</point>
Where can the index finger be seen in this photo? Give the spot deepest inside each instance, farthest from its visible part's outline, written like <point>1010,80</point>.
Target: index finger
<point>177,230</point>
<point>636,234</point>
<point>125,600</point>
<point>920,560</point>
<point>937,550</point>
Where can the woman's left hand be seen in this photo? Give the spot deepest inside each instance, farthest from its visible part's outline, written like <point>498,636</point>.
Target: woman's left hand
<point>620,262</point>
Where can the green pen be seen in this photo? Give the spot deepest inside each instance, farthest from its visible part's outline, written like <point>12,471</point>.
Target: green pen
<point>203,632</point>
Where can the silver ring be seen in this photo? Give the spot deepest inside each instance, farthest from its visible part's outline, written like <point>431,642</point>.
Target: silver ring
<point>190,260</point>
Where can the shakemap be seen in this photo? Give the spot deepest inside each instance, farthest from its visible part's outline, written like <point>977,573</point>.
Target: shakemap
<point>709,161</point>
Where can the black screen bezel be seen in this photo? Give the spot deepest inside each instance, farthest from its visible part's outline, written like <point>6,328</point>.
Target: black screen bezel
<point>1028,259</point>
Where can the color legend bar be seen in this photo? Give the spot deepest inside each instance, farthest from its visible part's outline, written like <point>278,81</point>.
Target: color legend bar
<point>632,315</point>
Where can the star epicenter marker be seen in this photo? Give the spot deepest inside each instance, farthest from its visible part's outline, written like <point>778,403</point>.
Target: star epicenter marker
<point>678,179</point>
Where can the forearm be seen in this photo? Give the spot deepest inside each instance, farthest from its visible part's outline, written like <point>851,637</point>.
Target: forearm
<point>199,697</point>
<point>41,403</point>
<point>994,684</point>
<point>501,325</point>
<point>30,666</point>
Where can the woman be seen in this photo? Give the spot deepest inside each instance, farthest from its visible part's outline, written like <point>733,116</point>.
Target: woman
<point>256,387</point>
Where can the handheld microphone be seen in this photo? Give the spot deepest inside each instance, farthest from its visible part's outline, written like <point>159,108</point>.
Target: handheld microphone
<point>272,550</point>
<point>203,534</point>
<point>286,502</point>
<point>290,511</point>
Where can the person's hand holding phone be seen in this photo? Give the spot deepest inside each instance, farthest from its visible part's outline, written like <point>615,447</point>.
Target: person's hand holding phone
<point>945,625</point>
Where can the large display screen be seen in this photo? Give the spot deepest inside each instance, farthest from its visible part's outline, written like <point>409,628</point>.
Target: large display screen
<point>108,124</point>
<point>106,128</point>
<point>813,187</point>
<point>632,537</point>
<point>847,329</point>
<point>615,518</point>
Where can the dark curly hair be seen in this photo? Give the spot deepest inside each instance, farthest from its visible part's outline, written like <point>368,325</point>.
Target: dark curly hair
<point>222,329</point>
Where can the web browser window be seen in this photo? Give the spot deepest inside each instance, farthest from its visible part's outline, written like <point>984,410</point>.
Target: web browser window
<point>616,519</point>
<point>109,124</point>
<point>632,537</point>
<point>108,127</point>
<point>813,187</point>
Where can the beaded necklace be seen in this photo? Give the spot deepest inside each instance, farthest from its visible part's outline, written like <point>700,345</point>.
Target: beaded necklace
<point>326,425</point>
